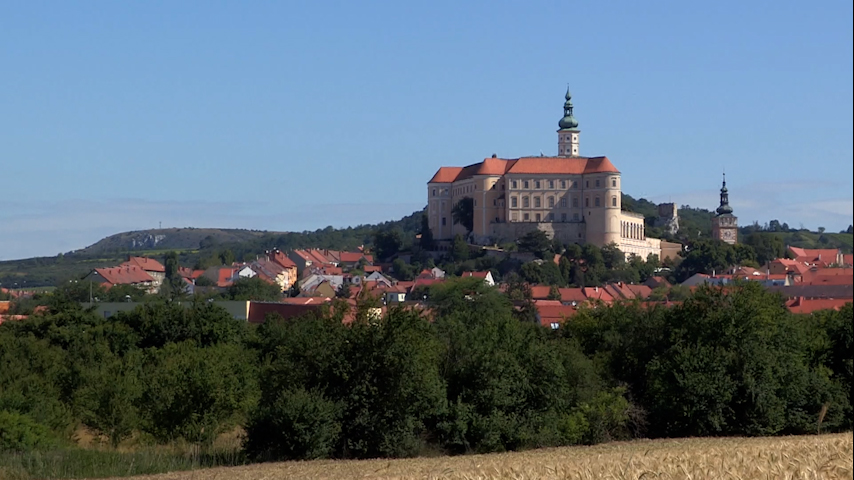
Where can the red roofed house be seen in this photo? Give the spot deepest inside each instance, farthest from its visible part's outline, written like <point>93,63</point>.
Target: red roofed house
<point>485,276</point>
<point>124,274</point>
<point>572,198</point>
<point>810,305</point>
<point>818,257</point>
<point>150,266</point>
<point>553,313</point>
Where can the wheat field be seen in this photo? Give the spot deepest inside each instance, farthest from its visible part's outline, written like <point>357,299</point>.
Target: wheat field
<point>804,457</point>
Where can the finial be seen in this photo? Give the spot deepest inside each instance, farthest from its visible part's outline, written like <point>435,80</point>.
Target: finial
<point>568,95</point>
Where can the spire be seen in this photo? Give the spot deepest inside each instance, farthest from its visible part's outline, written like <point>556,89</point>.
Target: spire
<point>568,121</point>
<point>724,209</point>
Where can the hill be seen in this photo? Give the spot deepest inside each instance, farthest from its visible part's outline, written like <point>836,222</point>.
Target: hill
<point>198,247</point>
<point>168,239</point>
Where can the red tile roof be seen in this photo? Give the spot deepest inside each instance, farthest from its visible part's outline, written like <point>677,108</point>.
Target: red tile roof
<point>124,275</point>
<point>809,305</point>
<point>475,274</point>
<point>147,264</point>
<point>596,293</point>
<point>848,259</point>
<point>351,257</point>
<point>526,165</point>
<point>826,256</point>
<point>552,311</point>
<point>4,306</point>
<point>572,295</point>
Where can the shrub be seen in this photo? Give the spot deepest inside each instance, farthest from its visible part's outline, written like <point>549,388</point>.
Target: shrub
<point>22,433</point>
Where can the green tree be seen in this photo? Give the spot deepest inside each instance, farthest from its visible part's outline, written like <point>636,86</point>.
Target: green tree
<point>195,393</point>
<point>426,234</point>
<point>463,213</point>
<point>536,242</point>
<point>254,288</point>
<point>460,249</point>
<point>387,243</point>
<point>554,293</point>
<point>226,257</point>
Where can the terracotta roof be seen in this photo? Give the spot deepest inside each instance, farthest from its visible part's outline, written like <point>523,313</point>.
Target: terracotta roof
<point>4,306</point>
<point>827,256</point>
<point>809,305</point>
<point>351,257</point>
<point>282,259</point>
<point>526,165</point>
<point>373,268</point>
<point>596,293</point>
<point>124,275</point>
<point>446,175</point>
<point>552,311</point>
<point>475,274</point>
<point>848,259</point>
<point>147,264</point>
<point>540,292</point>
<point>571,295</point>
<point>562,165</point>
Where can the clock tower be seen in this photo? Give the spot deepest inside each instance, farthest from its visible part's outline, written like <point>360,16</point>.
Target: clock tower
<point>725,224</point>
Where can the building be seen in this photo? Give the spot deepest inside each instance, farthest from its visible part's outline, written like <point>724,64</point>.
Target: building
<point>568,196</point>
<point>725,224</point>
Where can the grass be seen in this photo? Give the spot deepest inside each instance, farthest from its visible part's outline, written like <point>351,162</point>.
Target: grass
<point>94,463</point>
<point>806,457</point>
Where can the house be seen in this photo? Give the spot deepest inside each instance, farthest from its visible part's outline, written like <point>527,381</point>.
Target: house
<point>810,305</point>
<point>656,282</point>
<point>151,266</point>
<point>597,293</point>
<point>274,273</point>
<point>224,277</point>
<point>124,275</point>
<point>553,313</point>
<point>821,257</point>
<point>485,276</point>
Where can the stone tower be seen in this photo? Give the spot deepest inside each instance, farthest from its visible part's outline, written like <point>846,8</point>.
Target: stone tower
<point>567,136</point>
<point>725,224</point>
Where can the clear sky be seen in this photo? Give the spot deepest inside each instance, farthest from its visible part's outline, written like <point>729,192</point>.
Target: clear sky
<point>276,115</point>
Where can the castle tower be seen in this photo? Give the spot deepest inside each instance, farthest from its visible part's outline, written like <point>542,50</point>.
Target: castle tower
<point>725,224</point>
<point>567,136</point>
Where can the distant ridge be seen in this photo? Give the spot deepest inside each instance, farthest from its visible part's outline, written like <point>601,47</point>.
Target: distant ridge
<point>169,239</point>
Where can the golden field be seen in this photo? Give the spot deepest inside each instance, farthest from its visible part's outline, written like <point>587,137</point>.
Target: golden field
<point>803,457</point>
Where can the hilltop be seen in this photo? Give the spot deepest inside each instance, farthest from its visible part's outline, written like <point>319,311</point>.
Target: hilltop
<point>169,239</point>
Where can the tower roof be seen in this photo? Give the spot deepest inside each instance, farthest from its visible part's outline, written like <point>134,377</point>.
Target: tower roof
<point>568,121</point>
<point>724,209</point>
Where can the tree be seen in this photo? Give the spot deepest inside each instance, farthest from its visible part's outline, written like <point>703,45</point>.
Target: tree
<point>767,247</point>
<point>463,213</point>
<point>226,257</point>
<point>536,242</point>
<point>343,291</point>
<point>254,288</point>
<point>426,234</point>
<point>554,293</point>
<point>387,243</point>
<point>460,249</point>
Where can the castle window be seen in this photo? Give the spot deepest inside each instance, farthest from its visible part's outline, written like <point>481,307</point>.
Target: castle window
<point>614,182</point>
<point>444,221</point>
<point>526,185</point>
<point>563,184</point>
<point>527,217</point>
<point>551,202</point>
<point>597,183</point>
<point>587,184</point>
<point>596,201</point>
<point>514,216</point>
<point>613,201</point>
<point>562,217</point>
<point>525,202</point>
<point>494,203</point>
<point>551,184</point>
<point>514,202</point>
<point>575,202</point>
<point>514,185</point>
<point>574,184</point>
<point>538,217</point>
<point>551,217</point>
<point>587,202</point>
<point>563,202</point>
<point>575,217</point>
<point>537,184</point>
<point>434,192</point>
<point>536,202</point>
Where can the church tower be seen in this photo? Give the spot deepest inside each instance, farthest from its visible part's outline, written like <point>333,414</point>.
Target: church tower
<point>725,224</point>
<point>567,136</point>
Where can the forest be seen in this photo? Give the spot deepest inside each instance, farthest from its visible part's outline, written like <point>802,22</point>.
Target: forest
<point>471,372</point>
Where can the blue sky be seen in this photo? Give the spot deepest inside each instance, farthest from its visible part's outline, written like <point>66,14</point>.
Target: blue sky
<point>278,115</point>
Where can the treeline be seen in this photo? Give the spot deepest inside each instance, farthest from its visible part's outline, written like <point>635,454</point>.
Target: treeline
<point>476,376</point>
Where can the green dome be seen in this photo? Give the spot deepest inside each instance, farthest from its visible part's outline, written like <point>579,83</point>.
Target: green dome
<point>724,209</point>
<point>568,120</point>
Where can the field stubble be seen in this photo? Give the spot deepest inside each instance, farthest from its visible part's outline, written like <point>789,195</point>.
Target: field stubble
<point>804,457</point>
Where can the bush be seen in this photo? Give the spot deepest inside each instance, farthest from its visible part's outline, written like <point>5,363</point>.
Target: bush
<point>299,424</point>
<point>22,433</point>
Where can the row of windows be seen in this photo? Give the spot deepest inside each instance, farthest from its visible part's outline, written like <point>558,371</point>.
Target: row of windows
<point>526,217</point>
<point>550,201</point>
<point>538,184</point>
<point>443,191</point>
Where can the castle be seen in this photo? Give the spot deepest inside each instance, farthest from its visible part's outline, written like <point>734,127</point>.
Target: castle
<point>572,198</point>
